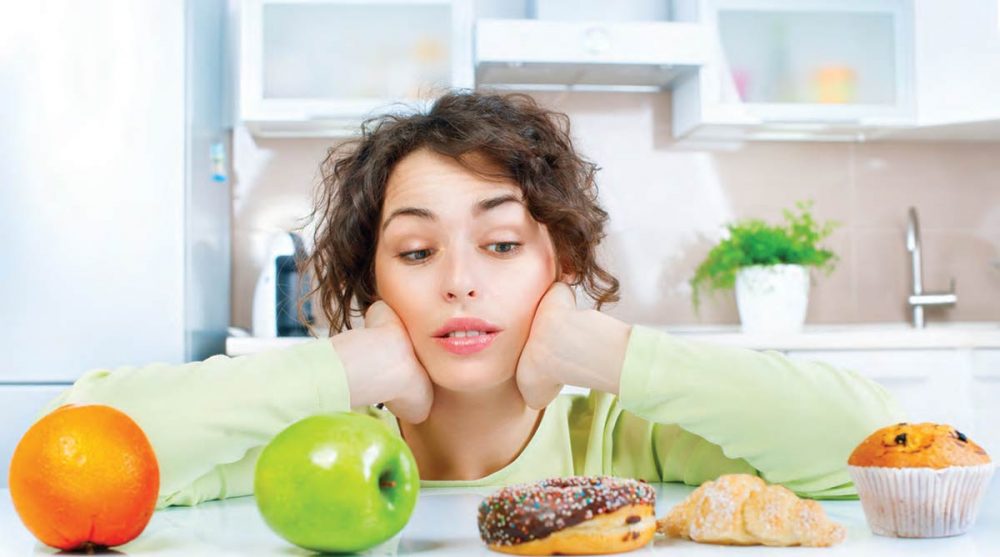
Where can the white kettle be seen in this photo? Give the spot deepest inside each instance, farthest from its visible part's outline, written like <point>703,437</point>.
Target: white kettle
<point>279,288</point>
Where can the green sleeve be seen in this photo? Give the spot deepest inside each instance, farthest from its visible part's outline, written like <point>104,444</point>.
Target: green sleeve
<point>208,421</point>
<point>708,409</point>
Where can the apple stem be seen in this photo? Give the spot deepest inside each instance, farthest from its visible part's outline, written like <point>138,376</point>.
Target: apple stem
<point>389,483</point>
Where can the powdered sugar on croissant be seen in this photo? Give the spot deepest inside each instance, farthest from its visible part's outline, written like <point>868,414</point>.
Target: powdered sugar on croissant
<point>740,509</point>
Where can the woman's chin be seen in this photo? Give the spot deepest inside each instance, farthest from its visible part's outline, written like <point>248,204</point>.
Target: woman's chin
<point>468,379</point>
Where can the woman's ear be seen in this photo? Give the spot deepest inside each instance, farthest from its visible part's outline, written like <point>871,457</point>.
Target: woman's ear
<point>566,275</point>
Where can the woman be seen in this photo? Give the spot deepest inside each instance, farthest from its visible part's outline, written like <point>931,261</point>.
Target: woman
<point>457,234</point>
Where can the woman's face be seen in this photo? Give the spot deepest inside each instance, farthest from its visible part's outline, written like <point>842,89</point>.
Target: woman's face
<point>456,245</point>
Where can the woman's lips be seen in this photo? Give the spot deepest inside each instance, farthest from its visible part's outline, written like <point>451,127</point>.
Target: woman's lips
<point>466,345</point>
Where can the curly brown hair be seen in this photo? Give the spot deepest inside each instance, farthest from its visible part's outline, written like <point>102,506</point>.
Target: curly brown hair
<point>525,142</point>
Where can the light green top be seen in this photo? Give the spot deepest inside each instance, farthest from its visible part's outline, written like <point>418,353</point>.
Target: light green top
<point>687,411</point>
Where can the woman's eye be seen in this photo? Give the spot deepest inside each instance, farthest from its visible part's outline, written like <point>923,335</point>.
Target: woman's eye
<point>420,255</point>
<point>504,247</point>
<point>416,255</point>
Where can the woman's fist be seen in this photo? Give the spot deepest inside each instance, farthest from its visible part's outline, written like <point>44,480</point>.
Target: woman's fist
<point>568,346</point>
<point>382,367</point>
<point>535,380</point>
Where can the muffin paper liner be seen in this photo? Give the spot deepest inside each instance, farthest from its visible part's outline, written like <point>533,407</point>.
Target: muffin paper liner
<point>921,502</point>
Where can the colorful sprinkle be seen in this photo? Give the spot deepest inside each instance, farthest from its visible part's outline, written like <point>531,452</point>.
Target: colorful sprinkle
<point>554,504</point>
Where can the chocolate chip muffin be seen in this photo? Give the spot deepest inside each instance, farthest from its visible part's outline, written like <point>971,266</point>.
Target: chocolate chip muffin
<point>924,445</point>
<point>920,480</point>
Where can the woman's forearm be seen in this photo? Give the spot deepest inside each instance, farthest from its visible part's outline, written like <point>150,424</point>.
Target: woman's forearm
<point>202,415</point>
<point>590,350</point>
<point>794,421</point>
<point>367,362</point>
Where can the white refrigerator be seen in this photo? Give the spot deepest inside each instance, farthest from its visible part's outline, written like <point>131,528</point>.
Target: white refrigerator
<point>114,200</point>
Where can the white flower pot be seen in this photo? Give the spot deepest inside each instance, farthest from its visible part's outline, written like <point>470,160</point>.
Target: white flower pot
<point>772,298</point>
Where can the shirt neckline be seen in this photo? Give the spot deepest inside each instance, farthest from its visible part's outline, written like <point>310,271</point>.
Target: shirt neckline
<point>492,477</point>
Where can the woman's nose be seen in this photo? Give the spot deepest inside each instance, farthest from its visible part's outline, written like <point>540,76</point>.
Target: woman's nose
<point>459,293</point>
<point>459,282</point>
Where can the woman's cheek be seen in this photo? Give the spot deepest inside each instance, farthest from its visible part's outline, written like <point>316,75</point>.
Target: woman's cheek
<point>400,290</point>
<point>414,292</point>
<point>529,293</point>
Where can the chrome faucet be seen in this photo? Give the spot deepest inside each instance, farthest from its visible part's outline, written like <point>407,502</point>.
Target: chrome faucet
<point>918,299</point>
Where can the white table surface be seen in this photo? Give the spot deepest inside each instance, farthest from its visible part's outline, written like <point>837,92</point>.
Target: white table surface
<point>444,523</point>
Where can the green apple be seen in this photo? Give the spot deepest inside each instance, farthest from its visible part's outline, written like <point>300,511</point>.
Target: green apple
<point>339,482</point>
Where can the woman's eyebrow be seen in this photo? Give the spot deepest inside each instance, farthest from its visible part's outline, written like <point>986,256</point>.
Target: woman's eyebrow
<point>481,207</point>
<point>493,202</point>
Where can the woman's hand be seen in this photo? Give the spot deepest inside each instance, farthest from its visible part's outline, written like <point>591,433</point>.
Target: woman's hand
<point>382,367</point>
<point>566,345</point>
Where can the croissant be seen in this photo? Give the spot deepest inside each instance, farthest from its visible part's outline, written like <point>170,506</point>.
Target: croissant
<point>740,509</point>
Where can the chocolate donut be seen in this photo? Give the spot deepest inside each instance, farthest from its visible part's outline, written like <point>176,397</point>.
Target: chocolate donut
<point>574,515</point>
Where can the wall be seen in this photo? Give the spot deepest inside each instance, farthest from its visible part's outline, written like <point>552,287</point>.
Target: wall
<point>668,203</point>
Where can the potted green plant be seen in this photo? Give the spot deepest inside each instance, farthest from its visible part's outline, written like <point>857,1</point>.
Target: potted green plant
<point>767,265</point>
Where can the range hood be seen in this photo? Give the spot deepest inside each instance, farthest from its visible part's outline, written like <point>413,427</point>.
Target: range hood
<point>619,56</point>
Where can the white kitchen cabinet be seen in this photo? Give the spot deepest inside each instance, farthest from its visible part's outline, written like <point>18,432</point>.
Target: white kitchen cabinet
<point>320,67</point>
<point>957,59</point>
<point>930,385</point>
<point>959,387</point>
<point>986,398</point>
<point>19,406</point>
<point>810,69</point>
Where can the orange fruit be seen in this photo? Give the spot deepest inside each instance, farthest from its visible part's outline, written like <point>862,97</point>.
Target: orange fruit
<point>84,476</point>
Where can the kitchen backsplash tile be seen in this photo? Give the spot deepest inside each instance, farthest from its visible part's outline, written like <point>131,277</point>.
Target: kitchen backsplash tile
<point>953,185</point>
<point>969,257</point>
<point>836,294</point>
<point>882,268</point>
<point>668,202</point>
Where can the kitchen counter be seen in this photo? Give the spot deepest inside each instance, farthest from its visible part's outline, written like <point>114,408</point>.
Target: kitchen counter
<point>862,336</point>
<point>444,523</point>
<point>867,336</point>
